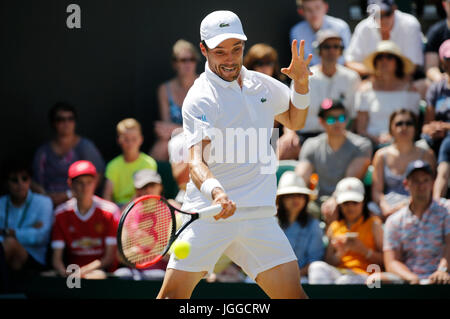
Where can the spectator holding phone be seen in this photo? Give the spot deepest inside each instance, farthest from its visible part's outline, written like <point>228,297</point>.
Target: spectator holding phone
<point>355,239</point>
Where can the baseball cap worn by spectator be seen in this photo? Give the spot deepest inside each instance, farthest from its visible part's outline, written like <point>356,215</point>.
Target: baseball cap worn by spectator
<point>144,177</point>
<point>81,168</point>
<point>349,189</point>
<point>444,50</point>
<point>387,46</point>
<point>329,105</point>
<point>219,26</point>
<point>418,165</point>
<point>323,35</point>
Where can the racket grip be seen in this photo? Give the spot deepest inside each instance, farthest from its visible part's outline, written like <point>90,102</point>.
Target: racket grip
<point>209,211</point>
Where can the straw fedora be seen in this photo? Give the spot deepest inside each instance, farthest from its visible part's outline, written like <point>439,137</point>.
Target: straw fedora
<point>290,183</point>
<point>387,46</point>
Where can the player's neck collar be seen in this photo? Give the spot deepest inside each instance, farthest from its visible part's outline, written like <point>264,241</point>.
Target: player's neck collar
<point>214,77</point>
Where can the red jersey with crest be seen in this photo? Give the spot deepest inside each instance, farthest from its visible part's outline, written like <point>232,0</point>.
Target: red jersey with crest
<point>84,237</point>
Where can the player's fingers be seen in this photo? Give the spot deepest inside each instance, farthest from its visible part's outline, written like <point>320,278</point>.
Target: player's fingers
<point>308,60</point>
<point>301,53</point>
<point>294,49</point>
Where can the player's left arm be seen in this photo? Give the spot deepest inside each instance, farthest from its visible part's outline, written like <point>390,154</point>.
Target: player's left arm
<point>295,117</point>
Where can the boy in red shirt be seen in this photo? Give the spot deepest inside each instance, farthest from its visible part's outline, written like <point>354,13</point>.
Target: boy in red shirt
<point>84,232</point>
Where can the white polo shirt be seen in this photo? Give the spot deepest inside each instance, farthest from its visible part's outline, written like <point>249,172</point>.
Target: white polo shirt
<point>343,83</point>
<point>406,33</point>
<point>215,109</point>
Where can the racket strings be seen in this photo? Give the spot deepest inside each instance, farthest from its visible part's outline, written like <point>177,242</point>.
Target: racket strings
<point>146,231</point>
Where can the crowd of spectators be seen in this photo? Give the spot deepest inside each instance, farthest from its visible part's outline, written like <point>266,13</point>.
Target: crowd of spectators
<point>376,138</point>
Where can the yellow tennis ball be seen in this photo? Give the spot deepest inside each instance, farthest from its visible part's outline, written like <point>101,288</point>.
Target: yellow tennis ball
<point>181,249</point>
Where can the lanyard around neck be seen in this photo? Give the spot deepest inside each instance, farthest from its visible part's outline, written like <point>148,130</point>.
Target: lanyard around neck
<point>23,213</point>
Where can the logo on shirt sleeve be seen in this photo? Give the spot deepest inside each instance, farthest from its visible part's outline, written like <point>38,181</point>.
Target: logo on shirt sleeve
<point>202,118</point>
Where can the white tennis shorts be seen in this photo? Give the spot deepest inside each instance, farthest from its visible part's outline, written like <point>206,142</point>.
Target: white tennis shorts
<point>256,244</point>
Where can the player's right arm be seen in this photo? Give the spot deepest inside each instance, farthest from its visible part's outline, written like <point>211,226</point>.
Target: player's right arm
<point>200,172</point>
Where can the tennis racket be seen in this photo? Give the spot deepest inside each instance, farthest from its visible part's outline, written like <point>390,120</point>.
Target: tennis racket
<point>148,228</point>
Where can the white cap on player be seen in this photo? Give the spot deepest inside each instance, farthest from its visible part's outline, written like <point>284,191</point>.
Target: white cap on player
<point>219,26</point>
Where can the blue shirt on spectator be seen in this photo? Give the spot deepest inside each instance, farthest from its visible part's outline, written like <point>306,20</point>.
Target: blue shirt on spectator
<point>32,222</point>
<point>303,31</point>
<point>306,241</point>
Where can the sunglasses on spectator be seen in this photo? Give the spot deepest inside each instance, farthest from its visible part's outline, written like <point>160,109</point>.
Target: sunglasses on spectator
<point>406,123</point>
<point>186,60</point>
<point>65,118</point>
<point>385,56</point>
<point>264,63</point>
<point>15,179</point>
<point>333,119</point>
<point>328,47</point>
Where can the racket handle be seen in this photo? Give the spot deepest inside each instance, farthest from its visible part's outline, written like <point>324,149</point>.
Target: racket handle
<point>209,211</point>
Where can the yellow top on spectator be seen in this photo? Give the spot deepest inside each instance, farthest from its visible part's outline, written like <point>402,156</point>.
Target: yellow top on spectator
<point>120,173</point>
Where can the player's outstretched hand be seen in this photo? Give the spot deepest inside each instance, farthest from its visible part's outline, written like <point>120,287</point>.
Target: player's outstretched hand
<point>228,206</point>
<point>298,70</point>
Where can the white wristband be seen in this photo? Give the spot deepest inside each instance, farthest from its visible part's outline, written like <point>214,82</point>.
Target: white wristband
<point>300,101</point>
<point>208,186</point>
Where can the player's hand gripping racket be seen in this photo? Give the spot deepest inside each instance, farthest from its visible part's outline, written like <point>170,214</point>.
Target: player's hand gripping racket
<point>147,229</point>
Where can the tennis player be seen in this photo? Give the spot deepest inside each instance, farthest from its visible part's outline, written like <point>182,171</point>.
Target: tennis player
<point>225,96</point>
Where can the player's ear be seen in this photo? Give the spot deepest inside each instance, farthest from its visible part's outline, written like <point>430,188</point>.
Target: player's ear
<point>203,50</point>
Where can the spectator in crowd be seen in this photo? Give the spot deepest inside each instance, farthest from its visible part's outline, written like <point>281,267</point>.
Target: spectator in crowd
<point>401,28</point>
<point>417,237</point>
<point>171,95</point>
<point>388,191</point>
<point>333,155</point>
<point>84,232</point>
<point>25,221</point>
<point>263,58</point>
<point>437,117</point>
<point>178,158</point>
<point>301,229</point>
<point>315,17</point>
<point>388,90</point>
<point>119,186</point>
<point>329,80</point>
<point>443,171</point>
<point>436,35</point>
<point>53,159</point>
<point>355,239</point>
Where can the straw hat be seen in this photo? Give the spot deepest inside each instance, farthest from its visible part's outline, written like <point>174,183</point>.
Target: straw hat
<point>290,183</point>
<point>391,48</point>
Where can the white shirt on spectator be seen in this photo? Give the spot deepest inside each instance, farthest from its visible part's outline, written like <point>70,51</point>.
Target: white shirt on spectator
<point>381,104</point>
<point>213,104</point>
<point>406,33</point>
<point>343,83</point>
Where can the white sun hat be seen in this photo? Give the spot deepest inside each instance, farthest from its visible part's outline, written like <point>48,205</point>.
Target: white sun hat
<point>219,26</point>
<point>291,183</point>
